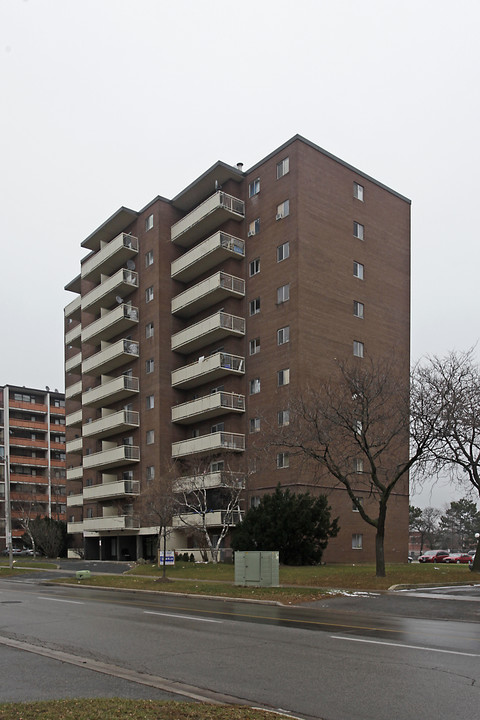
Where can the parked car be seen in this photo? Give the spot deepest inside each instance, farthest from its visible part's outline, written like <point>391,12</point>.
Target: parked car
<point>433,556</point>
<point>458,558</point>
<point>19,551</point>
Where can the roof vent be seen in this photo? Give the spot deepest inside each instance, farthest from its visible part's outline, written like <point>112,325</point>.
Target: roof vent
<point>240,166</point>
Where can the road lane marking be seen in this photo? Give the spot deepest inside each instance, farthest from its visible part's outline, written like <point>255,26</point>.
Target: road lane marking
<point>402,645</point>
<point>73,602</point>
<point>183,617</point>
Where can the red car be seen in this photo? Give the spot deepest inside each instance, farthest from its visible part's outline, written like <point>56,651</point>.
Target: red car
<point>457,558</point>
<point>433,556</point>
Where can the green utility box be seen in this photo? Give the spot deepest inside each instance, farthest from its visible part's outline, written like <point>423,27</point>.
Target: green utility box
<point>82,574</point>
<point>257,568</point>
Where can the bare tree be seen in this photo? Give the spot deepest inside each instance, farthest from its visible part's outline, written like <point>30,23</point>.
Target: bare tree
<point>452,385</point>
<point>356,427</point>
<point>158,505</point>
<point>203,496</point>
<point>25,512</point>
<point>426,523</point>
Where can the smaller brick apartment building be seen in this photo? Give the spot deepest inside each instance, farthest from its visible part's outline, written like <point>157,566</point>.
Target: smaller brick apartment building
<point>32,458</point>
<point>197,319</point>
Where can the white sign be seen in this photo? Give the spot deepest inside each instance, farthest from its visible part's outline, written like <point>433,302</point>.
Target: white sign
<point>169,557</point>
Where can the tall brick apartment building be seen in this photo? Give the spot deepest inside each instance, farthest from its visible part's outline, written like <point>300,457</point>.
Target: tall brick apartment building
<point>32,458</point>
<point>197,319</point>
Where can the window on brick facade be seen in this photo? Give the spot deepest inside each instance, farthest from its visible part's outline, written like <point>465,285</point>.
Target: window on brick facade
<point>149,222</point>
<point>283,251</point>
<point>254,187</point>
<point>149,258</point>
<point>254,227</point>
<point>283,293</point>
<point>218,427</point>
<point>283,460</point>
<point>150,472</point>
<point>358,230</point>
<point>283,209</point>
<point>254,267</point>
<point>150,437</point>
<point>358,309</point>
<point>358,348</point>
<point>283,377</point>
<point>254,346</point>
<point>357,541</point>
<point>149,294</point>
<point>254,425</point>
<point>150,401</point>
<point>358,270</point>
<point>359,501</point>
<point>254,306</point>
<point>283,335</point>
<point>358,191</point>
<point>283,167</point>
<point>149,366</point>
<point>358,465</point>
<point>283,417</point>
<point>254,386</point>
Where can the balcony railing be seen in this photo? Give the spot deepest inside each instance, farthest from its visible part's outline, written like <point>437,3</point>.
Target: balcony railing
<point>111,391</point>
<point>74,419</point>
<point>74,363</point>
<point>75,527</point>
<point>110,257</point>
<point>206,217</point>
<point>208,369</point>
<point>211,329</point>
<point>214,518</point>
<point>74,336</point>
<point>73,391</point>
<point>111,522</point>
<point>75,500</point>
<point>209,406</point>
<point>211,443</point>
<point>122,284</point>
<point>112,457</point>
<point>75,473</point>
<point>113,356</point>
<point>208,481</point>
<point>206,293</point>
<point>74,446</point>
<point>110,324</point>
<point>112,424</point>
<point>106,491</point>
<point>206,255</point>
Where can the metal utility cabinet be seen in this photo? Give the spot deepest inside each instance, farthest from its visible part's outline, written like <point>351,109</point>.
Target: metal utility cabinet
<point>258,568</point>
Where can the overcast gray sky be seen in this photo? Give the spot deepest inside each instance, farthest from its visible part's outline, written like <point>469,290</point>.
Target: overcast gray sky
<point>112,102</point>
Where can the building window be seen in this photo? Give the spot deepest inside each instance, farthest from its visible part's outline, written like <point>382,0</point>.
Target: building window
<point>358,191</point>
<point>254,425</point>
<point>359,501</point>
<point>283,335</point>
<point>149,258</point>
<point>254,501</point>
<point>254,227</point>
<point>219,427</point>
<point>149,294</point>
<point>283,460</point>
<point>149,366</point>
<point>358,230</point>
<point>149,222</point>
<point>254,386</point>
<point>149,330</point>
<point>283,293</point>
<point>358,348</point>
<point>358,270</point>
<point>254,267</point>
<point>254,346</point>
<point>283,167</point>
<point>283,209</point>
<point>150,437</point>
<point>150,400</point>
<point>217,466</point>
<point>283,417</point>
<point>150,472</point>
<point>358,465</point>
<point>283,251</point>
<point>254,306</point>
<point>283,377</point>
<point>358,308</point>
<point>254,187</point>
<point>357,541</point>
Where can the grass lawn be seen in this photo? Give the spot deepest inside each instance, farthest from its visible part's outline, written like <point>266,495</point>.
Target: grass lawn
<point>119,709</point>
<point>26,562</point>
<point>299,584</point>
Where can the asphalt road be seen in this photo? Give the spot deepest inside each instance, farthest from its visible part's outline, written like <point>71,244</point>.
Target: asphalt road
<point>378,656</point>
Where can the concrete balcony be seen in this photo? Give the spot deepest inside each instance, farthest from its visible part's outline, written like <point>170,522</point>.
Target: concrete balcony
<point>75,500</point>
<point>214,289</point>
<point>111,522</point>
<point>74,336</point>
<point>73,309</point>
<point>111,391</point>
<point>73,391</point>
<point>208,481</point>
<point>110,257</point>
<point>74,363</point>
<point>206,218</point>
<point>208,444</point>
<point>113,356</point>
<point>114,322</point>
<point>208,370</point>
<point>207,255</point>
<point>216,518</point>
<point>75,527</point>
<point>75,473</point>
<point>74,446</point>
<point>112,424</point>
<point>214,328</point>
<point>74,419</point>
<point>122,284</point>
<point>213,405</point>
<point>107,491</point>
<point>112,457</point>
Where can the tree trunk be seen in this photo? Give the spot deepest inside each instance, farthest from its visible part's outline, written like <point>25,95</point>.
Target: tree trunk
<point>476,562</point>
<point>379,542</point>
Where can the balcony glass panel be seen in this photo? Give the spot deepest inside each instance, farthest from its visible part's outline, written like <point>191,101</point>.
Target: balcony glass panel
<point>111,357</point>
<point>111,424</point>
<point>206,255</point>
<point>206,293</point>
<point>112,457</point>
<point>206,217</point>
<point>110,324</point>
<point>208,369</point>
<point>211,329</point>
<point>212,405</point>
<point>206,444</point>
<point>111,391</point>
